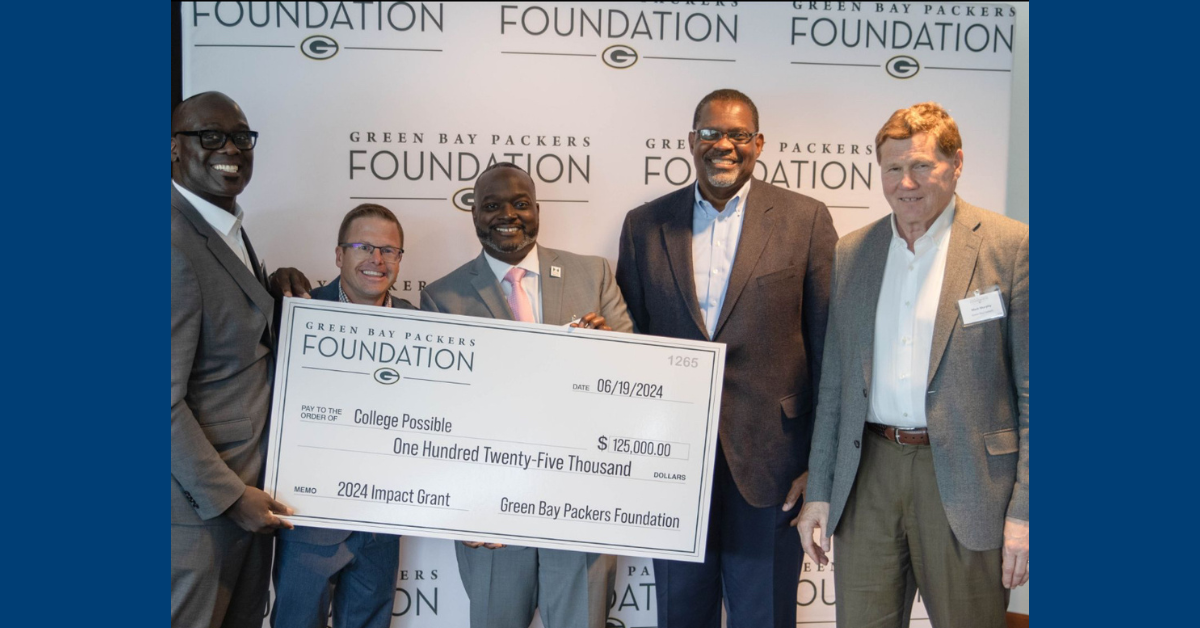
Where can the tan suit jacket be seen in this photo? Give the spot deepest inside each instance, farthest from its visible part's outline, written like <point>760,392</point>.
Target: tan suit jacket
<point>977,406</point>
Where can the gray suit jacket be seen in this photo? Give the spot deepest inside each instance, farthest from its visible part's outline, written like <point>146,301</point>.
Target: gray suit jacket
<point>328,536</point>
<point>585,285</point>
<point>772,321</point>
<point>221,370</point>
<point>978,402</point>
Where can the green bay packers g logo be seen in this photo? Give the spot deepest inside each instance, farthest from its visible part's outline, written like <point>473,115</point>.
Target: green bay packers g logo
<point>619,56</point>
<point>464,199</point>
<point>902,67</point>
<point>319,47</point>
<point>387,375</point>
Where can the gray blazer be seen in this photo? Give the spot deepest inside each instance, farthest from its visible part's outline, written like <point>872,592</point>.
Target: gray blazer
<point>221,370</point>
<point>978,402</point>
<point>585,285</point>
<point>772,321</point>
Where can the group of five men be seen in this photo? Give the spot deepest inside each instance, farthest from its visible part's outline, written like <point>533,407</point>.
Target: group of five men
<point>886,354</point>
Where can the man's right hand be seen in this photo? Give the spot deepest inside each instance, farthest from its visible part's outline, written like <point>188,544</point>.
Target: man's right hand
<point>815,515</point>
<point>289,282</point>
<point>475,544</point>
<point>255,511</point>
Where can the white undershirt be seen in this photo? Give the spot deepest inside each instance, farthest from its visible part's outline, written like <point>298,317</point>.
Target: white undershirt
<point>227,224</point>
<point>904,317</point>
<point>531,282</point>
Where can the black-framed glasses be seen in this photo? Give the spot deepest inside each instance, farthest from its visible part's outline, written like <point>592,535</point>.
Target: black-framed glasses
<point>739,136</point>
<point>214,140</point>
<point>388,253</point>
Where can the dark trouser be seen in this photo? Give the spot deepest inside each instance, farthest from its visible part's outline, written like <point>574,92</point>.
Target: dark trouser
<point>752,561</point>
<point>219,576</point>
<point>894,529</point>
<point>356,576</point>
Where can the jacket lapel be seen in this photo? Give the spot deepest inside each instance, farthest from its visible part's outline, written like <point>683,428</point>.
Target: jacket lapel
<point>677,239</point>
<point>960,267</point>
<point>552,288</point>
<point>484,281</point>
<point>867,281</point>
<point>246,280</point>
<point>756,231</point>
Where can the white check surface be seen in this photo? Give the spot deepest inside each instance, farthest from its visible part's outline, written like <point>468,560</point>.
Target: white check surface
<point>465,428</point>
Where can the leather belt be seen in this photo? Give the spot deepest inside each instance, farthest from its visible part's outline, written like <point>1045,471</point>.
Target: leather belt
<point>904,436</point>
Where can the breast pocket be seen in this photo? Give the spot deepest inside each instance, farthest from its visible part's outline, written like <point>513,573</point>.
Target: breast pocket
<point>781,291</point>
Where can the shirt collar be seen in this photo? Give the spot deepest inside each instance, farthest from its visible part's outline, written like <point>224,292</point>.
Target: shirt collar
<point>935,231</point>
<point>530,264</point>
<point>225,223</point>
<point>737,202</point>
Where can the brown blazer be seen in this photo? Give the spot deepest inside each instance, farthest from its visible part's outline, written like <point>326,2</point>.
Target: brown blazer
<point>772,321</point>
<point>977,404</point>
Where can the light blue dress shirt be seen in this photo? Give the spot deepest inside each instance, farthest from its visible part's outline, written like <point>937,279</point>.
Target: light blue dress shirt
<point>714,246</point>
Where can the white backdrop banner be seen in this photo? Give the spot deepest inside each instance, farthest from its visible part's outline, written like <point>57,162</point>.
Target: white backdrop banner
<point>404,103</point>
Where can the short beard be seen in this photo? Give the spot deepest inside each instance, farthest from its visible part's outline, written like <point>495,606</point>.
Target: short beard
<point>485,237</point>
<point>722,179</point>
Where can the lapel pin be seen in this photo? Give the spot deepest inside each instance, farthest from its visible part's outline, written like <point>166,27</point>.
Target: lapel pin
<point>556,271</point>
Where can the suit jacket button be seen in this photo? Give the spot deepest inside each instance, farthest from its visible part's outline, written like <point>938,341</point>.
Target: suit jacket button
<point>864,392</point>
<point>856,444</point>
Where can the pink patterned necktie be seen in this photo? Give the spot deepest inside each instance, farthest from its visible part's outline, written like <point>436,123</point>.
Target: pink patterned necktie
<point>517,299</point>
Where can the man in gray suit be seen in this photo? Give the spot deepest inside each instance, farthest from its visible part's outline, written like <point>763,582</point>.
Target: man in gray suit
<point>735,260</point>
<point>317,567</point>
<point>920,458</point>
<point>221,370</point>
<point>515,279</point>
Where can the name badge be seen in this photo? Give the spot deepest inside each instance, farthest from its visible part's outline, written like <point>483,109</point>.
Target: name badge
<point>981,308</point>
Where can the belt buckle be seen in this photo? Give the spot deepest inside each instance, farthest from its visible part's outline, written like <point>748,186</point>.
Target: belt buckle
<point>896,432</point>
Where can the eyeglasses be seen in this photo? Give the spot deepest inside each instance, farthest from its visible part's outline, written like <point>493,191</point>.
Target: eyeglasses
<point>388,253</point>
<point>214,140</point>
<point>715,135</point>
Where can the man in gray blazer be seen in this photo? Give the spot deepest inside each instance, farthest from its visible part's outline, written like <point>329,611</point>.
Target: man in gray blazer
<point>742,262</point>
<point>920,459</point>
<point>221,370</point>
<point>355,572</point>
<point>515,279</point>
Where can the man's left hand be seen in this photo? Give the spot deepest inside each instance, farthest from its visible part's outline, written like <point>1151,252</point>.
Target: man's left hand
<point>795,494</point>
<point>1016,553</point>
<point>289,282</point>
<point>592,320</point>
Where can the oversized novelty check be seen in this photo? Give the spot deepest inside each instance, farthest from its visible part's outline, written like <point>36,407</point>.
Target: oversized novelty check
<point>457,427</point>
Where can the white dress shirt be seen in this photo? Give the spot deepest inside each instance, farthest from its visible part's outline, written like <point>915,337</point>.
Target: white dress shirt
<point>531,282</point>
<point>908,301</point>
<point>715,236</point>
<point>227,224</point>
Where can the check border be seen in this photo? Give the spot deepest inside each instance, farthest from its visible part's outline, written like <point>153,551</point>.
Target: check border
<point>293,305</point>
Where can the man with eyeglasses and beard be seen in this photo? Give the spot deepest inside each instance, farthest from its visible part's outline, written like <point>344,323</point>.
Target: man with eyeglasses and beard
<point>221,370</point>
<point>317,567</point>
<point>738,261</point>
<point>514,278</point>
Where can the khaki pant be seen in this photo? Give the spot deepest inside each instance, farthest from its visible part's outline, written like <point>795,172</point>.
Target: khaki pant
<point>894,531</point>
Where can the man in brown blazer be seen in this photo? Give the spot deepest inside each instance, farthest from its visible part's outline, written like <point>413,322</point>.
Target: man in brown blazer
<point>920,459</point>
<point>745,263</point>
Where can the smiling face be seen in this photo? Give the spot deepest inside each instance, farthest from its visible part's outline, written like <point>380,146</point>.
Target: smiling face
<point>723,167</point>
<point>918,181</point>
<point>506,214</point>
<point>367,278</point>
<point>217,175</point>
